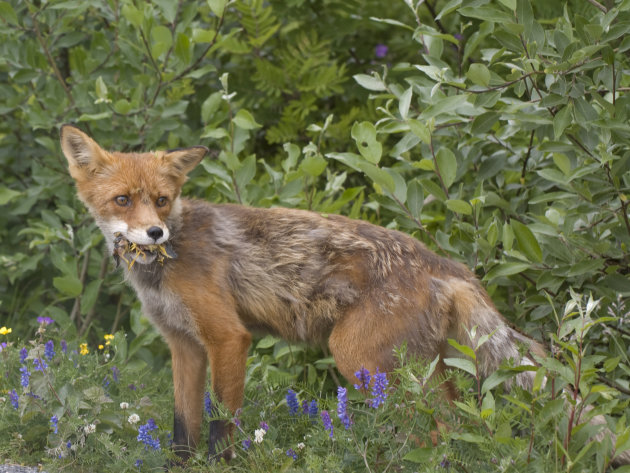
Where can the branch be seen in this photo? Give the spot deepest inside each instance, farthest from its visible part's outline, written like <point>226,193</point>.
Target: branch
<point>596,4</point>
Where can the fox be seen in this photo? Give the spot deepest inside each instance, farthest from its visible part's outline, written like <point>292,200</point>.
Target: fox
<point>210,276</point>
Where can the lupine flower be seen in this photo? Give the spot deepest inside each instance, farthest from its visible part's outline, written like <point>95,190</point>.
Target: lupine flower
<point>39,364</point>
<point>3,345</point>
<point>13,397</point>
<point>327,422</point>
<point>132,387</point>
<point>83,349</point>
<point>342,405</point>
<point>146,438</point>
<point>5,331</point>
<point>379,393</point>
<point>292,402</point>
<point>246,443</point>
<point>25,376</point>
<point>23,355</point>
<point>115,373</point>
<point>380,50</point>
<point>291,453</point>
<point>305,407</point>
<point>263,425</point>
<point>69,444</point>
<point>49,350</point>
<point>44,320</point>
<point>259,434</point>
<point>312,409</point>
<point>138,463</point>
<point>53,423</point>
<point>64,346</point>
<point>363,375</point>
<point>207,403</point>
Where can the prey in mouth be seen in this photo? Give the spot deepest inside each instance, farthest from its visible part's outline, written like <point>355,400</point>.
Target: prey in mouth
<point>131,252</point>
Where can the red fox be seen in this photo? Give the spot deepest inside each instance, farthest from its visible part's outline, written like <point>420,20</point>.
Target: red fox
<point>209,275</point>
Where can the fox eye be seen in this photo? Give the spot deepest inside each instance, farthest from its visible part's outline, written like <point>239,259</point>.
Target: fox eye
<point>161,202</point>
<point>122,200</point>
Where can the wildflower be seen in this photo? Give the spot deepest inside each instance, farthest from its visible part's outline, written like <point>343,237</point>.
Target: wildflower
<point>108,338</point>
<point>3,345</point>
<point>378,389</point>
<point>53,423</point>
<point>132,386</point>
<point>207,403</point>
<point>133,419</point>
<point>291,453</point>
<point>301,446</point>
<point>89,429</point>
<point>44,320</point>
<point>312,409</point>
<point>69,444</point>
<point>124,405</point>
<point>83,349</point>
<point>305,407</point>
<point>13,397</point>
<point>292,402</point>
<point>39,364</point>
<point>23,355</point>
<point>64,346</point>
<point>342,404</point>
<point>146,438</point>
<point>246,443</point>
<point>327,422</point>
<point>5,331</point>
<point>25,376</point>
<point>445,463</point>
<point>49,350</point>
<point>364,378</point>
<point>115,373</point>
<point>138,463</point>
<point>263,425</point>
<point>380,50</point>
<point>100,347</point>
<point>259,435</point>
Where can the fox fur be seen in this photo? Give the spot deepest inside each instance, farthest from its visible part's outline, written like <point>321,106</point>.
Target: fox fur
<point>300,275</point>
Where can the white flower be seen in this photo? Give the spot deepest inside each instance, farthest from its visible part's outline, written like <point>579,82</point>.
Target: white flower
<point>258,435</point>
<point>89,429</point>
<point>300,445</point>
<point>124,405</point>
<point>133,419</point>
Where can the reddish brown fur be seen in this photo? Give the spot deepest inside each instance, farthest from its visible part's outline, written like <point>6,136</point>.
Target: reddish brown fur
<point>303,276</point>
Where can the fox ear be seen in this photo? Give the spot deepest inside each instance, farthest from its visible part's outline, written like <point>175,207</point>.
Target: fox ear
<point>80,150</point>
<point>186,159</point>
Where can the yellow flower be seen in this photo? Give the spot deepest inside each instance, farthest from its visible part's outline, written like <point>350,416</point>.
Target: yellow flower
<point>5,331</point>
<point>83,349</point>
<point>109,338</point>
<point>100,347</point>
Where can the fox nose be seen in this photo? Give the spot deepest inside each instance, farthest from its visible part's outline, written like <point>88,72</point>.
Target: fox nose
<point>155,233</point>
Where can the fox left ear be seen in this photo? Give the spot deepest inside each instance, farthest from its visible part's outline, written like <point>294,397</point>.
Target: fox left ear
<point>186,159</point>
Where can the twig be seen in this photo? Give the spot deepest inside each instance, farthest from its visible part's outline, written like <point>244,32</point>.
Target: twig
<point>596,4</point>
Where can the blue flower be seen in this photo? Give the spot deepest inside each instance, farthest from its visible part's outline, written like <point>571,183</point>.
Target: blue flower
<point>64,346</point>
<point>24,378</point>
<point>327,422</point>
<point>379,393</point>
<point>207,403</point>
<point>263,425</point>
<point>3,345</point>
<point>13,397</point>
<point>292,402</point>
<point>342,405</point>
<point>312,409</point>
<point>39,364</point>
<point>246,443</point>
<point>364,378</point>
<point>53,423</point>
<point>291,453</point>
<point>49,350</point>
<point>146,438</point>
<point>23,355</point>
<point>44,320</point>
<point>380,50</point>
<point>138,463</point>
<point>115,373</point>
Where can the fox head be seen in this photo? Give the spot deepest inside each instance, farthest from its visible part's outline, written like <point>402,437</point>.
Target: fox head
<point>135,195</point>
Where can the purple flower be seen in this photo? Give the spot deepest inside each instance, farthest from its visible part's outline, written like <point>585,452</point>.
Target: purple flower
<point>44,320</point>
<point>49,350</point>
<point>53,423</point>
<point>69,444</point>
<point>327,422</point>
<point>138,463</point>
<point>64,346</point>
<point>13,397</point>
<point>39,364</point>
<point>312,409</point>
<point>132,386</point>
<point>207,403</point>
<point>379,388</point>
<point>380,51</point>
<point>23,355</point>
<point>263,425</point>
<point>292,402</point>
<point>342,405</point>
<point>146,438</point>
<point>246,443</point>
<point>291,453</point>
<point>363,375</point>
<point>305,407</point>
<point>3,345</point>
<point>25,376</point>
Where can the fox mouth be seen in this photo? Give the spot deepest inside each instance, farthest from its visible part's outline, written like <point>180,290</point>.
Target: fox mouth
<point>131,252</point>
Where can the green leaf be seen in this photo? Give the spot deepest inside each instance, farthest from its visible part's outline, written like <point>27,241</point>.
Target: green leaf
<point>415,198</point>
<point>132,15</point>
<point>420,454</point>
<point>313,165</point>
<point>526,241</point>
<point>484,122</point>
<point>217,6</point>
<point>168,8</point>
<point>68,285</point>
<point>369,82</point>
<point>88,299</point>
<point>466,365</point>
<point>8,13</point>
<point>420,130</point>
<point>447,164</point>
<point>101,88</point>
<point>122,107</point>
<point>511,4</point>
<point>478,74</point>
<point>486,13</point>
<point>7,195</point>
<point>183,51</point>
<point>245,120</point>
<point>405,102</point>
<point>364,135</point>
<point>562,120</point>
<point>464,349</point>
<point>450,7</point>
<point>505,269</point>
<point>459,206</point>
<point>162,40</point>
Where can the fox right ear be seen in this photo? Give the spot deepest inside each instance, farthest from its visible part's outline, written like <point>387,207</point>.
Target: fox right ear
<point>80,150</point>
